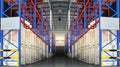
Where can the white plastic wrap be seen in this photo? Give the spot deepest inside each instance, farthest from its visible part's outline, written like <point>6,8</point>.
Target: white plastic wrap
<point>23,54</point>
<point>46,50</point>
<point>33,49</point>
<point>88,47</point>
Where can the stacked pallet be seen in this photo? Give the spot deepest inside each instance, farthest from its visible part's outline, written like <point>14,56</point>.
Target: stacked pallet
<point>36,49</point>
<point>88,47</point>
<point>33,49</point>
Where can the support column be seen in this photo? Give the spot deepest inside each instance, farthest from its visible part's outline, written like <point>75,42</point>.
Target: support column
<point>1,31</point>
<point>118,31</point>
<point>100,33</point>
<point>35,22</point>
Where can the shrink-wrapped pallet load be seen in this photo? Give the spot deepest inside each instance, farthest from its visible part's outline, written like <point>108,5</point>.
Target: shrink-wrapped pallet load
<point>23,52</point>
<point>36,49</point>
<point>23,47</point>
<point>78,53</point>
<point>46,53</point>
<point>79,50</point>
<point>28,46</point>
<point>33,49</point>
<point>76,50</point>
<point>96,62</point>
<point>88,46</point>
<point>31,46</point>
<point>73,51</point>
<point>96,47</point>
<point>82,52</point>
<point>40,50</point>
<point>92,39</point>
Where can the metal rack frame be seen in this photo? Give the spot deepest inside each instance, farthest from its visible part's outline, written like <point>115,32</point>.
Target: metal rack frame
<point>80,26</point>
<point>37,22</point>
<point>77,28</point>
<point>117,34</point>
<point>2,35</point>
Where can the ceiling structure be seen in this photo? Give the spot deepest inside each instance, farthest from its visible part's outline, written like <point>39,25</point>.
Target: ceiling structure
<point>60,20</point>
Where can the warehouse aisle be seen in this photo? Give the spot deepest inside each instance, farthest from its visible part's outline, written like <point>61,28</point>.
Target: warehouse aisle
<point>60,62</point>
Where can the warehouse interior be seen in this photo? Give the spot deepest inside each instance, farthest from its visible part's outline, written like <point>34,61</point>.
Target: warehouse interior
<point>59,33</point>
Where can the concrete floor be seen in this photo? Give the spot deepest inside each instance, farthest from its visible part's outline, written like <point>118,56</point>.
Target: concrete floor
<point>60,62</point>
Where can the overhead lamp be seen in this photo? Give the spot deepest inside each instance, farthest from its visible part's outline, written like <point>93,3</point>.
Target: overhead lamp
<point>59,10</point>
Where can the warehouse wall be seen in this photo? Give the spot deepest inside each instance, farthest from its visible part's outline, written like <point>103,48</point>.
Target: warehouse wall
<point>87,48</point>
<point>33,49</point>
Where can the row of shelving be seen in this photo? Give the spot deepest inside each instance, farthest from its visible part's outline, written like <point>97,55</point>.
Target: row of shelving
<point>38,49</point>
<point>103,45</point>
<point>86,49</point>
<point>32,48</point>
<point>29,44</point>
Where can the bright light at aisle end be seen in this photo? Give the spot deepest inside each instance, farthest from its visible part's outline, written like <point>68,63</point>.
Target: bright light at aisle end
<point>60,38</point>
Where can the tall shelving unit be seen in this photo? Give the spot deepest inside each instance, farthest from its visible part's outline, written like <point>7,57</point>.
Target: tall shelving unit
<point>80,25</point>
<point>17,49</point>
<point>92,10</point>
<point>116,39</point>
<point>26,10</point>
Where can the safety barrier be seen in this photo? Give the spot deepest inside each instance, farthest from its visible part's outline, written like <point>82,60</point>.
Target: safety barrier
<point>103,57</point>
<point>15,57</point>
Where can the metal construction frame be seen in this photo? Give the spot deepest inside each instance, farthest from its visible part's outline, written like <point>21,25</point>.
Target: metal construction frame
<point>116,14</point>
<point>27,11</point>
<point>3,34</point>
<point>41,27</point>
<point>80,26</point>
